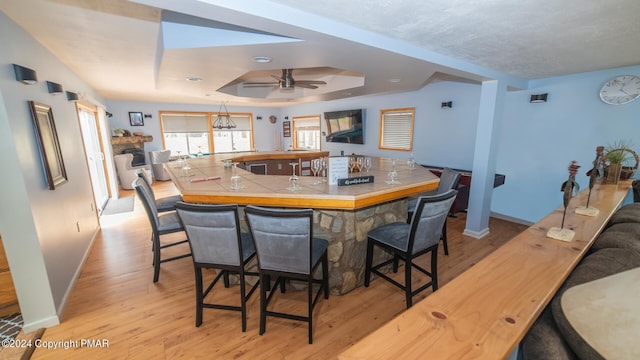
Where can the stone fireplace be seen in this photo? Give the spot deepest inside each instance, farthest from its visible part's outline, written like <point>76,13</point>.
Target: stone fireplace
<point>131,144</point>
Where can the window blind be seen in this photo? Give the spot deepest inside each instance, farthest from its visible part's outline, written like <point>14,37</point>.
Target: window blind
<point>397,130</point>
<point>185,123</point>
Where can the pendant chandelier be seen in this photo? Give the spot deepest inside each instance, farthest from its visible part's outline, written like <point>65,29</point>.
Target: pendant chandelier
<point>223,121</point>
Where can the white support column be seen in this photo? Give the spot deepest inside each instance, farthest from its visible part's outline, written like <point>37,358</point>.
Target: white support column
<point>492,96</point>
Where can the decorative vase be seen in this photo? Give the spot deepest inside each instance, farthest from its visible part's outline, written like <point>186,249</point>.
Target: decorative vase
<point>613,173</point>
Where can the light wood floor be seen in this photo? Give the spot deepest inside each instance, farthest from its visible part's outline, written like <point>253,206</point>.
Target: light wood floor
<point>115,300</point>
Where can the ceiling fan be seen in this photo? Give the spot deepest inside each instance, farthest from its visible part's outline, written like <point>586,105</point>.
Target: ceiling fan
<point>286,82</point>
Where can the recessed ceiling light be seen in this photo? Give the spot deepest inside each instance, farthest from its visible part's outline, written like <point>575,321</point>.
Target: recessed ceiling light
<point>262,59</point>
<point>194,79</point>
<point>394,80</point>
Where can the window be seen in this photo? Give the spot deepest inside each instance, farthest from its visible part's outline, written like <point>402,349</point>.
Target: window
<point>396,129</point>
<point>186,133</point>
<point>190,133</point>
<point>236,139</point>
<point>306,132</point>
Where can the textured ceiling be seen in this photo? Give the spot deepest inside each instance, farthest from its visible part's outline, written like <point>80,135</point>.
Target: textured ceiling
<point>125,50</point>
<point>526,38</point>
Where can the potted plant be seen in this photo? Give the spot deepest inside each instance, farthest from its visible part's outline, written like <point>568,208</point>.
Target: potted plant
<point>622,162</point>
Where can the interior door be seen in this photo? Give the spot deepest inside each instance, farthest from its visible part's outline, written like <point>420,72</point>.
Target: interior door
<point>94,155</point>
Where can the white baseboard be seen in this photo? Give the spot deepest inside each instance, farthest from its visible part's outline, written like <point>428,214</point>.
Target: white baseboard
<point>476,234</point>
<point>41,323</point>
<point>76,275</point>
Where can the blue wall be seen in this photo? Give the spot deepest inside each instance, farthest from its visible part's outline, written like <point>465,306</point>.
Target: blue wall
<point>538,141</point>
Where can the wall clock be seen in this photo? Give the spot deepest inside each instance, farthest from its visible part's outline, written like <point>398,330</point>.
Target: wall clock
<point>272,119</point>
<point>620,90</point>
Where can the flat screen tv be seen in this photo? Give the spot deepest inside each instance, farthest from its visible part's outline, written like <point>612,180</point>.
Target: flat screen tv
<point>346,126</point>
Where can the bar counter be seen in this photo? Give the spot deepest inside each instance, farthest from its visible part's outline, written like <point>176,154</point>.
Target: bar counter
<point>271,190</point>
<point>342,214</point>
<point>486,311</point>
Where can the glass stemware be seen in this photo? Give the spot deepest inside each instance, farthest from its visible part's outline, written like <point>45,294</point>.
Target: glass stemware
<point>360,162</point>
<point>186,168</point>
<point>352,163</point>
<point>179,161</point>
<point>411,162</point>
<point>199,154</point>
<point>294,180</point>
<point>324,162</point>
<point>367,164</point>
<point>235,178</point>
<point>316,166</point>
<point>393,174</point>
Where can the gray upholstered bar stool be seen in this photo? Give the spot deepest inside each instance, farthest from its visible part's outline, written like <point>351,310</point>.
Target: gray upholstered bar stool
<point>162,204</point>
<point>408,241</point>
<point>216,242</point>
<point>286,249</point>
<point>449,179</point>
<point>160,225</point>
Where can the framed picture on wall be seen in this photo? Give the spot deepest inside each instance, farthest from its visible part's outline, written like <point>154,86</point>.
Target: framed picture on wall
<point>45,128</point>
<point>136,119</point>
<point>286,128</point>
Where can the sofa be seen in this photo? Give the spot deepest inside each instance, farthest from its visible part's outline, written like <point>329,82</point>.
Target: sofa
<point>615,250</point>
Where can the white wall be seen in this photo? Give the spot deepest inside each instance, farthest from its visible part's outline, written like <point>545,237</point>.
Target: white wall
<point>38,226</point>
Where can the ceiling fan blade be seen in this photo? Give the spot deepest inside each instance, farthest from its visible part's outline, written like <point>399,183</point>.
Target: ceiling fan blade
<point>260,84</point>
<point>311,82</point>
<point>306,86</point>
<point>277,78</point>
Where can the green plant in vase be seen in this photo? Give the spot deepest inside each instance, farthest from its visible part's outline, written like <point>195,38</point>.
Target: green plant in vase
<point>620,159</point>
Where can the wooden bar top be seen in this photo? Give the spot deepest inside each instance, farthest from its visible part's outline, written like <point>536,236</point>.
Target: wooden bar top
<point>486,311</point>
<point>271,190</point>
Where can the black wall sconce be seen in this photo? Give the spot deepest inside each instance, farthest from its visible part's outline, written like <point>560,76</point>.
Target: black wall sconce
<point>108,114</point>
<point>54,88</point>
<point>147,116</point>
<point>71,96</point>
<point>447,105</point>
<point>25,75</point>
<point>538,98</point>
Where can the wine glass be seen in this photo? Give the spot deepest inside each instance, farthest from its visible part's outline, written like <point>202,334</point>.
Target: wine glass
<point>179,159</point>
<point>186,168</point>
<point>367,163</point>
<point>352,163</point>
<point>411,162</point>
<point>360,162</point>
<point>199,154</point>
<point>235,178</point>
<point>393,174</point>
<point>324,168</point>
<point>315,168</point>
<point>294,180</point>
